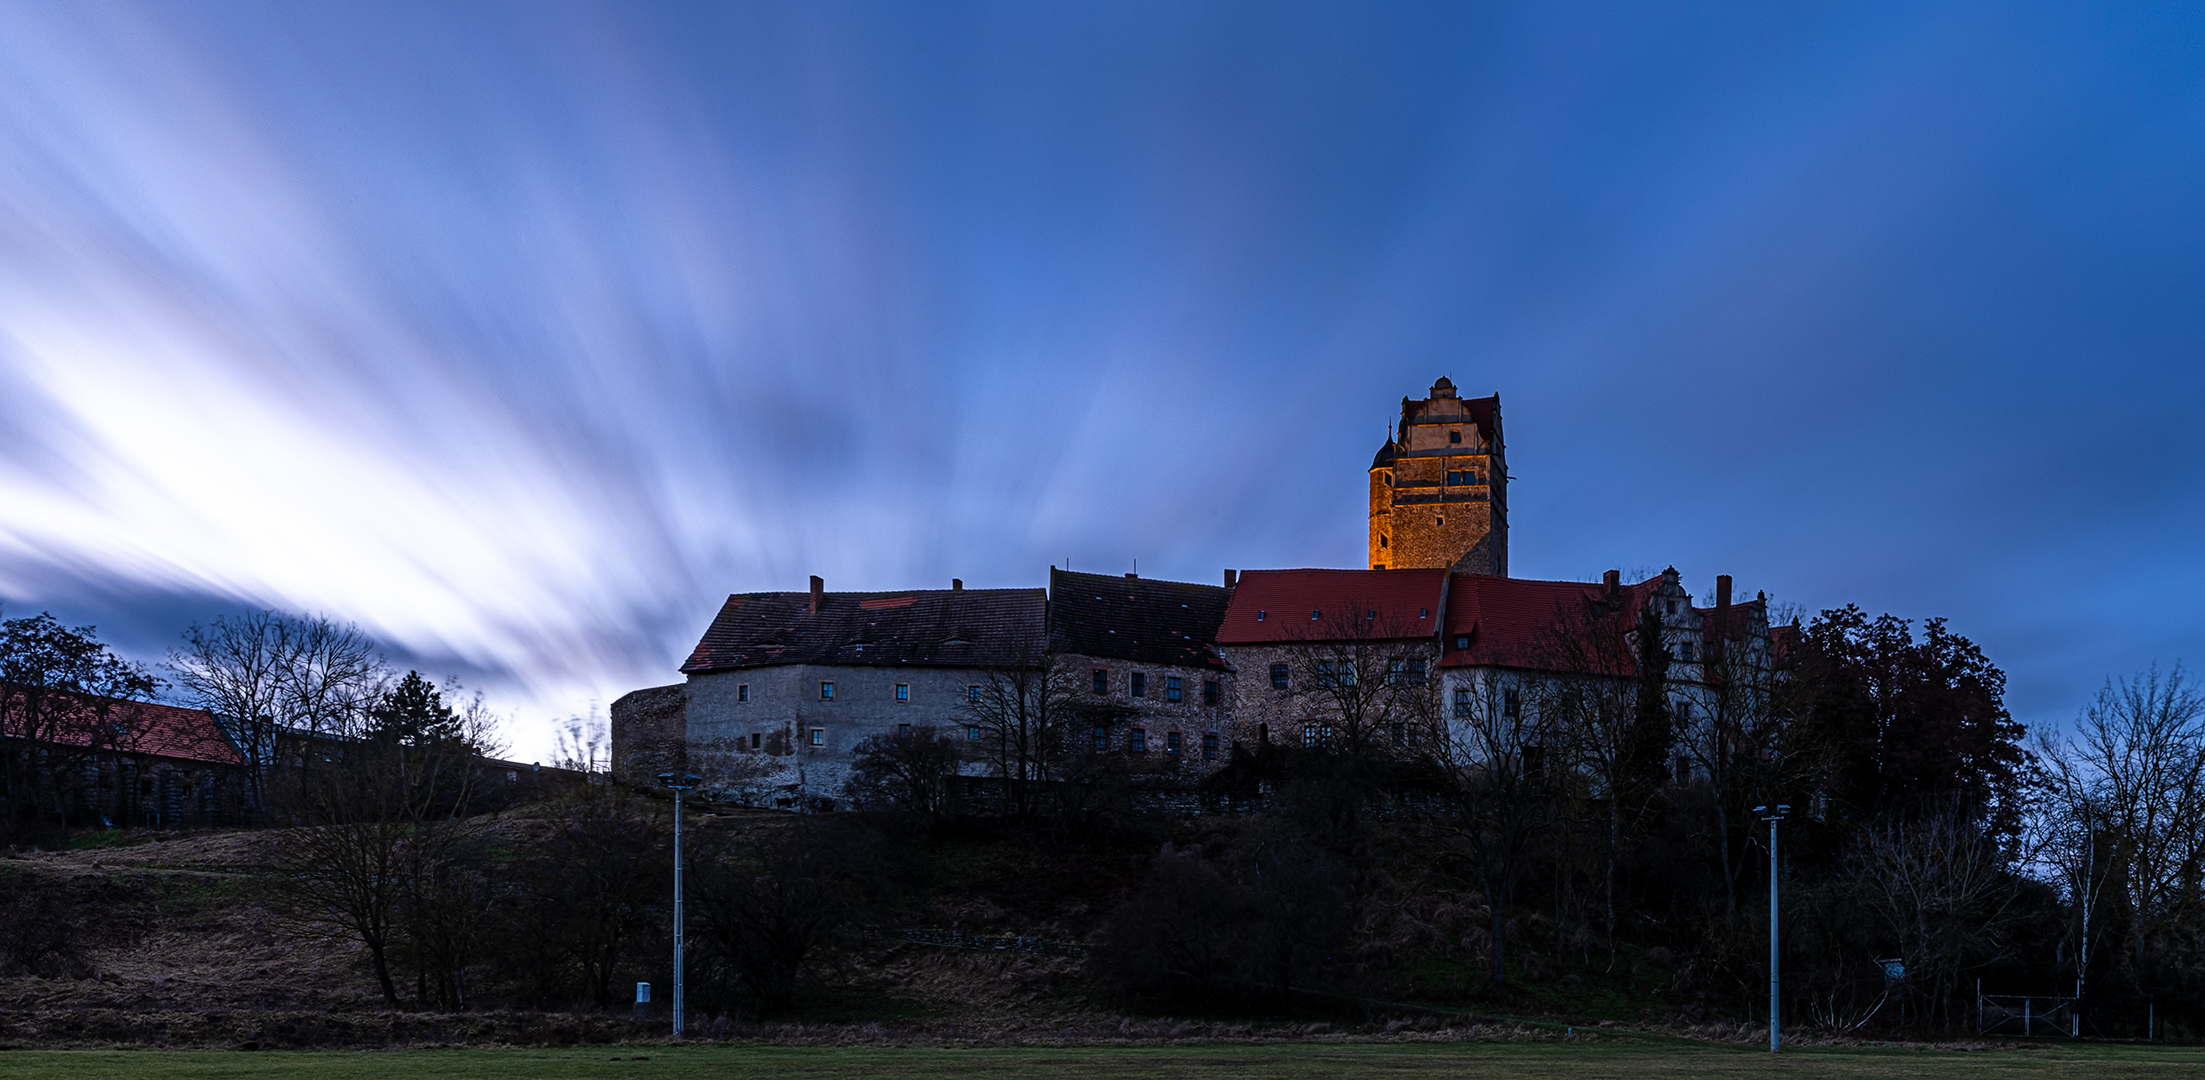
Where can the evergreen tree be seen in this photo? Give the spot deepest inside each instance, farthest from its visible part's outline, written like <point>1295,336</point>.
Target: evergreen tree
<point>413,713</point>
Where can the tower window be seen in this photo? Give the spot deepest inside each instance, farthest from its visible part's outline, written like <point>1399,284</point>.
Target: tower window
<point>1454,436</point>
<point>1672,605</point>
<point>1442,521</point>
<point>1454,478</point>
<point>1382,542</point>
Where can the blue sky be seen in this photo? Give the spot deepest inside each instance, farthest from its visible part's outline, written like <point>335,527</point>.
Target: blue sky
<point>522,334</point>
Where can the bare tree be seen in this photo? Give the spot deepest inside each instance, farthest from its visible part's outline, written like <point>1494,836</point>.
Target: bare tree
<point>907,771</point>
<point>2121,820</point>
<point>381,858</point>
<point>1362,679</point>
<point>1025,712</point>
<point>1492,745</point>
<point>275,680</point>
<point>1941,890</point>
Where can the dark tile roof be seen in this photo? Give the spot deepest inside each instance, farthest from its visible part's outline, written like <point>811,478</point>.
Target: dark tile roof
<point>1305,605</point>
<point>1138,619</point>
<point>927,627</point>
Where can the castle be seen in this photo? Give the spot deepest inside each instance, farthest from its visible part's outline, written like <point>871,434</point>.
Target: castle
<point>1162,679</point>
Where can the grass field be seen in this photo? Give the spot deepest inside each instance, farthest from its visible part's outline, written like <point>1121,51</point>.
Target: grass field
<point>1212,1062</point>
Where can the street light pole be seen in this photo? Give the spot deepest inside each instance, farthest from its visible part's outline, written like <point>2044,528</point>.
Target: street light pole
<point>678,785</point>
<point>1772,816</point>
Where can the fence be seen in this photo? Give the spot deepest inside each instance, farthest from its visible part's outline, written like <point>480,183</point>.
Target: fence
<point>2027,1015</point>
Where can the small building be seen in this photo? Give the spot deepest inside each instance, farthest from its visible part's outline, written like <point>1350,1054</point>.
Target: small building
<point>1331,656</point>
<point>129,763</point>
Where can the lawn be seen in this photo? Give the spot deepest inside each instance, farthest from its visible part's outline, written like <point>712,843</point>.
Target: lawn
<point>1576,1060</point>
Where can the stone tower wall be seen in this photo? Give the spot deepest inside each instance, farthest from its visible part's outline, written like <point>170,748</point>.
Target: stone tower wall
<point>1439,490</point>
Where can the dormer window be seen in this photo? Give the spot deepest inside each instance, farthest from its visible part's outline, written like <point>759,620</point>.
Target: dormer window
<point>1462,641</point>
<point>1259,616</point>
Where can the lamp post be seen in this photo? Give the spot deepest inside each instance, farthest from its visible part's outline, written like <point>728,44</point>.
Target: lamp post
<point>1772,815</point>
<point>678,784</point>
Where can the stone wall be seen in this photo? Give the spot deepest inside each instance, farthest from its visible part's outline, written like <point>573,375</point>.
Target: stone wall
<point>648,732</point>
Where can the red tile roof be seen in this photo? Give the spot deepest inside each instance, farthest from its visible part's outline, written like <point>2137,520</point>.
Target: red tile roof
<point>1304,605</point>
<point>142,727</point>
<point>1518,622</point>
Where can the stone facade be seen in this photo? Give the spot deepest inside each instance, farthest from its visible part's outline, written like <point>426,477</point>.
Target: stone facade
<point>1439,487</point>
<point>650,731</point>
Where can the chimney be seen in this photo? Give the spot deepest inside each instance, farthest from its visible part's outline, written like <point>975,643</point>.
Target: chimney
<point>1130,577</point>
<point>819,587</point>
<point>957,584</point>
<point>1232,578</point>
<point>1613,580</point>
<point>1722,610</point>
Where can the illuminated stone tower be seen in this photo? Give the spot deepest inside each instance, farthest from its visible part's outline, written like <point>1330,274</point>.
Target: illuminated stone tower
<point>1439,487</point>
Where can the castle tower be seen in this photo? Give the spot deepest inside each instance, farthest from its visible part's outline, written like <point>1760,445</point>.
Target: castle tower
<point>1439,487</point>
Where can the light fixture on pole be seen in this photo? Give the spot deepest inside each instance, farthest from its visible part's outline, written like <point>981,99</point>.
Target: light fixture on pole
<point>678,785</point>
<point>1772,815</point>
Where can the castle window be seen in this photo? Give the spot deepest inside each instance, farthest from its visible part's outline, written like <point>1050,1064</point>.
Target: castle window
<point>1511,705</point>
<point>1101,681</point>
<point>1462,703</point>
<point>1454,436</point>
<point>903,691</point>
<point>1102,738</point>
<point>819,736</point>
<point>1381,541</point>
<point>972,693</point>
<point>1209,746</point>
<point>903,731</point>
<point>1209,691</point>
<point>826,691</point>
<point>972,732</point>
<point>1324,673</point>
<point>742,691</point>
<point>1137,740</point>
<point>1672,605</point>
<point>1687,647</point>
<point>1171,688</point>
<point>1441,520</point>
<point>756,739</point>
<point>1139,683</point>
<point>1278,676</point>
<point>1171,742</point>
<point>1416,672</point>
